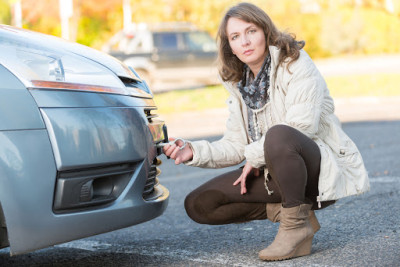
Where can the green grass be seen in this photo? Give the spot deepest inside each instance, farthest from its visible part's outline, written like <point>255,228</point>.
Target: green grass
<point>191,99</point>
<point>339,86</point>
<point>364,85</point>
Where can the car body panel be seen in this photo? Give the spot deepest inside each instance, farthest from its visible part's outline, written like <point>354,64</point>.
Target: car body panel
<point>83,137</point>
<point>86,129</point>
<point>16,100</point>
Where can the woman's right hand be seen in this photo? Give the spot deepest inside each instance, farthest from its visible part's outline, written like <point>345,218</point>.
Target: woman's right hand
<point>243,177</point>
<point>175,152</point>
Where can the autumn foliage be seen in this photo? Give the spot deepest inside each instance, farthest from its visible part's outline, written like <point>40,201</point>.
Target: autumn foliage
<point>329,27</point>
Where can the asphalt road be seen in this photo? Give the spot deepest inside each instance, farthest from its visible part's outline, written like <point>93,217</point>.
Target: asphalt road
<point>356,231</point>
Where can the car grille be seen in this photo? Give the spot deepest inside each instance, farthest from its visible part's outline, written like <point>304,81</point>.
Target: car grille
<point>149,115</point>
<point>152,180</point>
<point>159,133</point>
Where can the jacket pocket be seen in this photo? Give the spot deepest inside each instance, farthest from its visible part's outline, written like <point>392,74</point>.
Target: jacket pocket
<point>343,150</point>
<point>350,165</point>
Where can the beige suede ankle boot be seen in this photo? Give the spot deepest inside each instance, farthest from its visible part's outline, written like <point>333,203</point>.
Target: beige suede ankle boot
<point>314,221</point>
<point>294,236</point>
<point>274,211</point>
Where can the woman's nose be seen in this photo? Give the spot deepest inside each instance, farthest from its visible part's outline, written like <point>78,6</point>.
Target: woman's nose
<point>245,41</point>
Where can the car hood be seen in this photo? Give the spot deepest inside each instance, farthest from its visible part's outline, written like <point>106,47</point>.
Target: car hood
<point>58,45</point>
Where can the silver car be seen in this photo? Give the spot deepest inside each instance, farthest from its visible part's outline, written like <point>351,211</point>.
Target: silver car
<point>78,143</point>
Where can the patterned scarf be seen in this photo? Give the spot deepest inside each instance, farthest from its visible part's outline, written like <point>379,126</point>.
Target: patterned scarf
<point>255,93</point>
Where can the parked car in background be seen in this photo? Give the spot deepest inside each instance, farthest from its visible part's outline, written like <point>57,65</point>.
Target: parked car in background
<point>78,135</point>
<point>169,55</point>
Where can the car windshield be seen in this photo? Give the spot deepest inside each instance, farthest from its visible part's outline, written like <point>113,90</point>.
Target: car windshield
<point>200,41</point>
<point>166,41</point>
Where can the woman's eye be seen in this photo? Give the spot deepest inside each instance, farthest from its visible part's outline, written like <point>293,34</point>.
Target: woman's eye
<point>234,37</point>
<point>252,31</point>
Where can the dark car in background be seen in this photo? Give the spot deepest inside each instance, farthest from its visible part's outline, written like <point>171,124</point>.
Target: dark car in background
<point>78,143</point>
<point>169,55</point>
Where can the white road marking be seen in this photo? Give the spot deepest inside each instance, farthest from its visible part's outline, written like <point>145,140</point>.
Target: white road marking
<point>386,179</point>
<point>86,245</point>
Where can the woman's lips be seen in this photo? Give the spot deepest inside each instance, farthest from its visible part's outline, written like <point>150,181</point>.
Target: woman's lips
<point>248,52</point>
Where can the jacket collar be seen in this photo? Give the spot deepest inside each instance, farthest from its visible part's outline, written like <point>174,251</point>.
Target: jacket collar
<point>274,52</point>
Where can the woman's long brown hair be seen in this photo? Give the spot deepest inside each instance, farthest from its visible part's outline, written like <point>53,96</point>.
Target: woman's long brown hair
<point>230,67</point>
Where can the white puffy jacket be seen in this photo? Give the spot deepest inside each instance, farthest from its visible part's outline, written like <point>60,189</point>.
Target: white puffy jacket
<point>300,99</point>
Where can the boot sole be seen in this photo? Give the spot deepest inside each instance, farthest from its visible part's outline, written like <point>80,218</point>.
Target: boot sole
<point>302,249</point>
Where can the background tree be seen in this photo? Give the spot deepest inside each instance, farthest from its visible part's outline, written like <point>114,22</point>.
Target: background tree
<point>5,12</point>
<point>329,27</point>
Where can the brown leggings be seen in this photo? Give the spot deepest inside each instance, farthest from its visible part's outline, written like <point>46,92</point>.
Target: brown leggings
<point>293,162</point>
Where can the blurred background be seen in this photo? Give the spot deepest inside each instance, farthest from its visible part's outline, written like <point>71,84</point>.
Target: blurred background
<point>330,27</point>
<point>355,43</point>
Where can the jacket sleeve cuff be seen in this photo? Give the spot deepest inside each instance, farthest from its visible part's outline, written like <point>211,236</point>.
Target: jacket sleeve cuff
<point>195,159</point>
<point>254,153</point>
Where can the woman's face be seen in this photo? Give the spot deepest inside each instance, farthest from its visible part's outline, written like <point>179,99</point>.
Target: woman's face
<point>247,42</point>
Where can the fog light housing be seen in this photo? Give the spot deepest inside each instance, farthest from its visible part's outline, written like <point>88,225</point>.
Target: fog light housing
<point>81,189</point>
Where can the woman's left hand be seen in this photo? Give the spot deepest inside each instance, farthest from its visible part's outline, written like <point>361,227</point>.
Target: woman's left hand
<point>245,173</point>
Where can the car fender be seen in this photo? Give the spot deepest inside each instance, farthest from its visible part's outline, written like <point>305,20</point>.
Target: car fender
<point>18,109</point>
<point>23,186</point>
